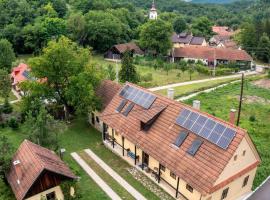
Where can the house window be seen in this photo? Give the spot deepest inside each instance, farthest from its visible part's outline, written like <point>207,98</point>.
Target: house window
<point>97,119</point>
<point>173,175</point>
<point>189,188</point>
<point>235,158</point>
<point>224,193</point>
<point>51,196</point>
<point>162,168</point>
<point>245,181</point>
<point>244,152</point>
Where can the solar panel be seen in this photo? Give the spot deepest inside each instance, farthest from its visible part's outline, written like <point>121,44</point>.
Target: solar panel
<point>207,128</point>
<point>138,96</point>
<point>194,146</point>
<point>128,109</point>
<point>121,105</point>
<point>180,138</point>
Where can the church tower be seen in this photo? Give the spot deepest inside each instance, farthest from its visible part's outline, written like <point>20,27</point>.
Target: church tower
<point>153,12</point>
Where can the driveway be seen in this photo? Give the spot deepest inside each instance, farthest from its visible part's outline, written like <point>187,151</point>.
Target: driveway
<point>262,192</point>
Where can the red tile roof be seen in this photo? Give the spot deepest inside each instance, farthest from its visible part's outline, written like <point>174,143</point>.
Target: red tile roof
<point>209,53</point>
<point>34,160</point>
<point>200,171</point>
<point>122,48</point>
<point>222,30</point>
<point>17,73</point>
<point>106,91</point>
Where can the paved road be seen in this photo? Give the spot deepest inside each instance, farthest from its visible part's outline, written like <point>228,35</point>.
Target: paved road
<point>199,81</point>
<point>115,175</point>
<point>262,192</point>
<point>107,189</point>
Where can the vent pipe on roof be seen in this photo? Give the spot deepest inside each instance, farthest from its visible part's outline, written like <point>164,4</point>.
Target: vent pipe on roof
<point>170,93</point>
<point>16,164</point>
<point>232,116</point>
<point>197,104</point>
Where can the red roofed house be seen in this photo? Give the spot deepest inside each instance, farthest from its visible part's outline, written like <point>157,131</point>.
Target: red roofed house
<point>211,55</point>
<point>19,74</point>
<point>37,172</point>
<point>192,154</point>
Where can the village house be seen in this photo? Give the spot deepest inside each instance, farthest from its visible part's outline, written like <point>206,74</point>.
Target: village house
<point>37,173</point>
<point>211,56</point>
<point>116,52</point>
<point>20,74</point>
<point>185,38</point>
<point>189,153</point>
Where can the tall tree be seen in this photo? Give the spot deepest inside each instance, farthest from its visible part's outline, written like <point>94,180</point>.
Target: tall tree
<point>5,84</point>
<point>155,36</point>
<point>179,25</point>
<point>263,51</point>
<point>248,36</point>
<point>7,55</point>
<point>68,79</point>
<point>6,151</point>
<point>128,69</point>
<point>202,27</point>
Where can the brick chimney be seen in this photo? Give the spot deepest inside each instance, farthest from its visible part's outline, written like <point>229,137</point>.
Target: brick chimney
<point>170,93</point>
<point>232,116</point>
<point>18,171</point>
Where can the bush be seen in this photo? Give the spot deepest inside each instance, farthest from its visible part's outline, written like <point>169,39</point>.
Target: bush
<point>147,77</point>
<point>7,108</point>
<point>224,71</point>
<point>202,69</point>
<point>12,123</point>
<point>252,118</point>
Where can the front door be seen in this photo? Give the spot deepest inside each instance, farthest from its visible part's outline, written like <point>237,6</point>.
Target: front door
<point>145,159</point>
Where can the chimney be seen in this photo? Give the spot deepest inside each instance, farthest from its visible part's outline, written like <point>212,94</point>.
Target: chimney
<point>232,116</point>
<point>16,164</point>
<point>171,93</point>
<point>197,104</point>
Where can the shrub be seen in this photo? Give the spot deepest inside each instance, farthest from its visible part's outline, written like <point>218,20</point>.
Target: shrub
<point>223,71</point>
<point>12,123</point>
<point>147,77</point>
<point>252,118</point>
<point>7,108</point>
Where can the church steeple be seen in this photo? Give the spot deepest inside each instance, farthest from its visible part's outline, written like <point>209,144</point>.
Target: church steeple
<point>153,12</point>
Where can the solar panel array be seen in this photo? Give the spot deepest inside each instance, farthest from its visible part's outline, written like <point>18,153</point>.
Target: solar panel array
<point>26,74</point>
<point>128,109</point>
<point>207,128</point>
<point>138,96</point>
<point>194,147</point>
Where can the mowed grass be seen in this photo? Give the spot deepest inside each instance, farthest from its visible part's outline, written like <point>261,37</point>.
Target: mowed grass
<point>160,76</point>
<point>78,136</point>
<point>187,89</point>
<point>219,103</point>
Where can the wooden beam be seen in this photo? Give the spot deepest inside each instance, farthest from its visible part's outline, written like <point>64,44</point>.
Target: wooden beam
<point>123,146</point>
<point>113,138</point>
<point>159,172</point>
<point>177,188</point>
<point>135,160</point>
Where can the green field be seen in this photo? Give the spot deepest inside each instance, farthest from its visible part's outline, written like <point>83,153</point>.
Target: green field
<point>77,137</point>
<point>255,116</point>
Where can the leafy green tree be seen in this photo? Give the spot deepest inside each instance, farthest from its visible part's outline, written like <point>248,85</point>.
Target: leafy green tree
<point>263,52</point>
<point>155,37</point>
<point>202,27</point>
<point>77,29</point>
<point>5,84</point>
<point>43,129</point>
<point>6,151</point>
<point>68,79</point>
<point>7,55</point>
<point>128,69</point>
<point>111,74</point>
<point>248,36</point>
<point>104,30</point>
<point>180,25</point>
<point>101,5</point>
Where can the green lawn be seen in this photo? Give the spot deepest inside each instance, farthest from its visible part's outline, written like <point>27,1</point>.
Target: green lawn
<point>219,103</point>
<point>77,137</point>
<point>188,89</point>
<point>160,77</point>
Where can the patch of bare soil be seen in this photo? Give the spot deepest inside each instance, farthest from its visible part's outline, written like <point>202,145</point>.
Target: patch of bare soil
<point>254,99</point>
<point>263,83</point>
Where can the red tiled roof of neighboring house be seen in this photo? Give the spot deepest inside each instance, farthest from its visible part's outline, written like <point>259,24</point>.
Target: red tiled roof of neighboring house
<point>222,30</point>
<point>230,44</point>
<point>210,53</point>
<point>18,73</point>
<point>106,91</point>
<point>122,48</point>
<point>200,171</point>
<point>34,159</point>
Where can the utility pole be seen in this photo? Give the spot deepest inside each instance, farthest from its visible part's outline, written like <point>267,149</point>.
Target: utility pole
<point>241,99</point>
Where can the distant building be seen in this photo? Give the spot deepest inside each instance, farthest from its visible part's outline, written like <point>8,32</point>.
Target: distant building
<point>185,38</point>
<point>223,31</point>
<point>153,15</point>
<point>37,173</point>
<point>20,74</point>
<point>212,56</point>
<point>117,51</point>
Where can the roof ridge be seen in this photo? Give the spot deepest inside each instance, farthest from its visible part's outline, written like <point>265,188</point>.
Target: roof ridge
<point>29,143</point>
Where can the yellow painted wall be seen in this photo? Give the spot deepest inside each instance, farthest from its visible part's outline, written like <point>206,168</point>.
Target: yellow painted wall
<point>57,190</point>
<point>235,188</point>
<point>233,167</point>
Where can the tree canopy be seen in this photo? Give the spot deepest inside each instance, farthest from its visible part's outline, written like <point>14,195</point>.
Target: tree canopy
<point>128,69</point>
<point>7,55</point>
